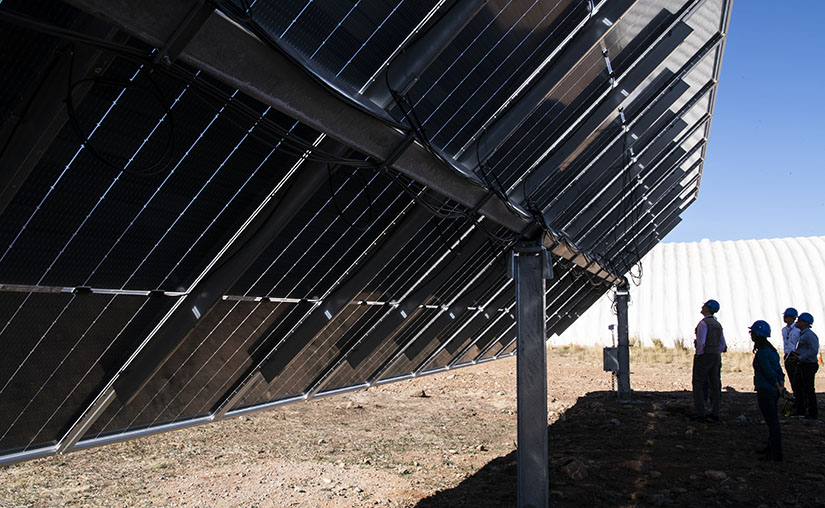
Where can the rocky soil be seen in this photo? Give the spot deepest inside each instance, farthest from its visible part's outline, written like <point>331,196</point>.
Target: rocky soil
<point>449,440</point>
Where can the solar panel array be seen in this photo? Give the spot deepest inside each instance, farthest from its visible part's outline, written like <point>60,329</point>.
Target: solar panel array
<point>177,246</point>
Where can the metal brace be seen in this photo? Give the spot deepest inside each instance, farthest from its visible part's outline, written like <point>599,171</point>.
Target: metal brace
<point>185,32</point>
<point>527,248</point>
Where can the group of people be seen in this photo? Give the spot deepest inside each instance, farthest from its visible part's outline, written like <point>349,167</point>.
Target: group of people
<point>800,350</point>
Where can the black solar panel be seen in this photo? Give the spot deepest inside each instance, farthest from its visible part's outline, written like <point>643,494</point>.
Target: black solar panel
<point>226,211</point>
<point>60,347</point>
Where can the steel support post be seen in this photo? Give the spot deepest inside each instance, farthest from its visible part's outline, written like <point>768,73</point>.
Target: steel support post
<point>623,376</point>
<point>530,267</point>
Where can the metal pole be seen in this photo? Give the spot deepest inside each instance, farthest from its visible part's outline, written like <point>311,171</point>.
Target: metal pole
<point>530,267</point>
<point>624,342</point>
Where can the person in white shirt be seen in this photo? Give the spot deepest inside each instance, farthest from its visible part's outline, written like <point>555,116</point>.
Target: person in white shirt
<point>807,349</point>
<point>790,338</point>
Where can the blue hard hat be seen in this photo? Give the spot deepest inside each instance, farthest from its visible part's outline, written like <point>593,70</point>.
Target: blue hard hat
<point>712,305</point>
<point>805,316</point>
<point>790,311</point>
<point>761,328</point>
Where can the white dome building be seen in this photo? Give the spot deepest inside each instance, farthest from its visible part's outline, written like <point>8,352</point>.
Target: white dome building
<point>751,279</point>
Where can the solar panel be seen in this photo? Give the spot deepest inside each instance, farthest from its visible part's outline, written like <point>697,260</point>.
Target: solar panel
<point>210,209</point>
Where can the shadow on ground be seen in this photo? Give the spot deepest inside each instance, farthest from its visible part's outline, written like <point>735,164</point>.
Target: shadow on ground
<point>647,452</point>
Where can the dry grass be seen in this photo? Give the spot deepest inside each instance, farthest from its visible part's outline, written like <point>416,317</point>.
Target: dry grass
<point>680,344</point>
<point>658,354</point>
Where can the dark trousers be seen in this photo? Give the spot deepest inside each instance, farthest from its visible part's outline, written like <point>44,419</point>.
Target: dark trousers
<point>806,400</point>
<point>767,405</point>
<point>706,385</point>
<point>704,368</point>
<point>790,370</point>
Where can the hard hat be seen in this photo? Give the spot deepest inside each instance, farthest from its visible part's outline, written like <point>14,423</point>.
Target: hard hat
<point>712,305</point>
<point>761,328</point>
<point>805,316</point>
<point>790,311</point>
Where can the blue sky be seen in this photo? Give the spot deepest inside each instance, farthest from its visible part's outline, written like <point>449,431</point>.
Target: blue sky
<point>764,175</point>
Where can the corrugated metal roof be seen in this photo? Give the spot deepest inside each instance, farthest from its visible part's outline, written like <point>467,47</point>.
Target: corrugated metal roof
<point>751,279</point>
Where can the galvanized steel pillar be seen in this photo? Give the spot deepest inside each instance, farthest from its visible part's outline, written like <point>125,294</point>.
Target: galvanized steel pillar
<point>531,265</point>
<point>623,376</point>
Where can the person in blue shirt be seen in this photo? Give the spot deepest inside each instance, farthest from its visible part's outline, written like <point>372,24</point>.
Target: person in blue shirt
<point>807,349</point>
<point>768,381</point>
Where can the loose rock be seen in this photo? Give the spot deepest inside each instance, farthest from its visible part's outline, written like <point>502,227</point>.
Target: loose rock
<point>657,499</point>
<point>575,470</point>
<point>716,475</point>
<point>634,465</point>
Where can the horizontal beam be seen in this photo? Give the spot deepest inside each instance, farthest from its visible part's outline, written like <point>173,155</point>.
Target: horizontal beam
<point>231,54</point>
<point>234,56</point>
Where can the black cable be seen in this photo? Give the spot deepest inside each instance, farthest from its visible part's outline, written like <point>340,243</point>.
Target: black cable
<point>365,184</point>
<point>267,131</point>
<point>458,251</point>
<point>419,197</point>
<point>291,144</point>
<point>409,114</point>
<point>630,257</point>
<point>37,25</point>
<point>156,167</point>
<point>495,185</point>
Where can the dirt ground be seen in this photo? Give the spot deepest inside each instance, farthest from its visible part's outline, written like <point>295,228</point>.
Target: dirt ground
<point>449,440</point>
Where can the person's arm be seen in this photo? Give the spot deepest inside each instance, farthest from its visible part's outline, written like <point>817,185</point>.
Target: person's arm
<point>780,375</point>
<point>723,346</point>
<point>701,336</point>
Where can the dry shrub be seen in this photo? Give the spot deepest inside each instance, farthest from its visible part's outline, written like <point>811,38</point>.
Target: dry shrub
<point>680,344</point>
<point>737,361</point>
<point>576,351</point>
<point>658,354</point>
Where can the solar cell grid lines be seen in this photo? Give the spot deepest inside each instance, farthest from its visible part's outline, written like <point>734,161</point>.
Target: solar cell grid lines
<point>212,208</point>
